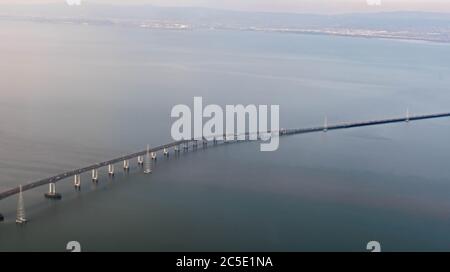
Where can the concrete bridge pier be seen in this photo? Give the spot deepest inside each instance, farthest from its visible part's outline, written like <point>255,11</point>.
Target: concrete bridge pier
<point>148,162</point>
<point>166,152</point>
<point>205,143</point>
<point>177,148</point>
<point>111,169</point>
<point>140,160</point>
<point>153,155</point>
<point>226,139</point>
<point>126,165</point>
<point>77,182</point>
<point>52,194</point>
<point>95,175</point>
<point>186,146</point>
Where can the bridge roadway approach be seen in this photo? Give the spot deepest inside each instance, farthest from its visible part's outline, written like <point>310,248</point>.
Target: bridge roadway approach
<point>177,144</point>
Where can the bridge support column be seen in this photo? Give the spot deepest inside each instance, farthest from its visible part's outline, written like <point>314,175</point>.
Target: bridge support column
<point>111,169</point>
<point>166,152</point>
<point>126,165</point>
<point>52,194</point>
<point>95,175</point>
<point>186,146</point>
<point>21,218</point>
<point>205,143</point>
<point>140,160</point>
<point>194,144</point>
<point>153,155</point>
<point>77,182</point>
<point>226,139</point>
<point>177,148</point>
<point>148,162</point>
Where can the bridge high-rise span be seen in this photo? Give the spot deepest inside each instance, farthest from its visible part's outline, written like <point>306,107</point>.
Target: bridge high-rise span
<point>144,158</point>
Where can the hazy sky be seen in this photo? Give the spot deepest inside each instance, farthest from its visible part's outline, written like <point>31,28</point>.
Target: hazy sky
<point>322,6</point>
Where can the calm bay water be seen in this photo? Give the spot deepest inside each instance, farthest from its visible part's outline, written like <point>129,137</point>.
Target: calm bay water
<point>76,95</point>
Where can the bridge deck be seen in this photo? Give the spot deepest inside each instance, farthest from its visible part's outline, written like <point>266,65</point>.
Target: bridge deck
<point>68,174</point>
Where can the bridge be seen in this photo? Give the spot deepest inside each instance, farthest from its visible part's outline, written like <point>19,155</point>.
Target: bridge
<point>151,153</point>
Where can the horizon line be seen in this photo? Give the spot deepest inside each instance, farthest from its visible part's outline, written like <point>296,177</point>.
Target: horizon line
<point>324,13</point>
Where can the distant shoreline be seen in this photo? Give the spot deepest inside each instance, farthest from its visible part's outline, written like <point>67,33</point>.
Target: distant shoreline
<point>175,25</point>
<point>380,37</point>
